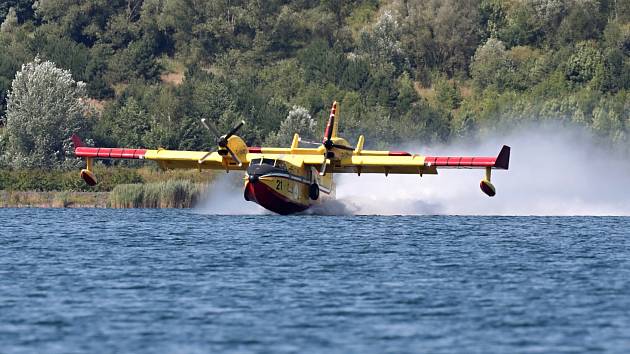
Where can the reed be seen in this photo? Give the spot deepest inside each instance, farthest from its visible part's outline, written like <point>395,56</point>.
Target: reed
<point>20,199</point>
<point>167,194</point>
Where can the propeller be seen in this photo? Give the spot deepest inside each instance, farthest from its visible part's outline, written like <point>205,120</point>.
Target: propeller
<point>308,142</point>
<point>329,145</point>
<point>222,141</point>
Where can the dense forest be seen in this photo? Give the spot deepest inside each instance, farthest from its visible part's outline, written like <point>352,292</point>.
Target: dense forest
<point>403,70</point>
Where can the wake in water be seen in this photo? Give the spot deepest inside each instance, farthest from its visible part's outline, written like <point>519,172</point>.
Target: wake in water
<point>552,172</point>
<point>225,197</point>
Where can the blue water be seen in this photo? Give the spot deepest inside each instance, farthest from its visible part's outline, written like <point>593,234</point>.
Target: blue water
<point>174,281</point>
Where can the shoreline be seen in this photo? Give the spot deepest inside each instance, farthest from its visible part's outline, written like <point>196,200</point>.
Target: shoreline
<point>167,195</point>
<point>120,187</point>
<point>56,199</point>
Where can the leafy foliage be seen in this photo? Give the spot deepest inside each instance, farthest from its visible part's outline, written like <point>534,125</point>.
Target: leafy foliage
<point>401,70</point>
<point>44,108</point>
<point>299,121</point>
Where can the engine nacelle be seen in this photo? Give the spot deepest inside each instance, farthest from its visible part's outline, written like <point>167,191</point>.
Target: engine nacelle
<point>487,188</point>
<point>89,177</point>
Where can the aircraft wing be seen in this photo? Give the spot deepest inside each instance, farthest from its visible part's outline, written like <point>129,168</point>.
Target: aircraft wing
<point>168,159</point>
<point>405,163</point>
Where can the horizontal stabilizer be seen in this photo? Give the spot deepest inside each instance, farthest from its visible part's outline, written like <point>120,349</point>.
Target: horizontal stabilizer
<point>502,161</point>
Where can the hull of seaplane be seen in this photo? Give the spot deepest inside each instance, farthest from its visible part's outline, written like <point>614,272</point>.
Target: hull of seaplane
<point>283,190</point>
<point>267,197</point>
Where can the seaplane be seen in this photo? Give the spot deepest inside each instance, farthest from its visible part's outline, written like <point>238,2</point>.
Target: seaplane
<point>291,180</point>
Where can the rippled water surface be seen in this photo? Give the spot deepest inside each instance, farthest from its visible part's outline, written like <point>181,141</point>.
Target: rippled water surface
<point>153,281</point>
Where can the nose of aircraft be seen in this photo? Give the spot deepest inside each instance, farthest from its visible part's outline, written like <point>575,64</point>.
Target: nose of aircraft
<point>254,172</point>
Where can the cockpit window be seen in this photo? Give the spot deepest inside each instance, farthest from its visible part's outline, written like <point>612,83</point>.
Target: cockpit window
<point>281,164</point>
<point>262,162</point>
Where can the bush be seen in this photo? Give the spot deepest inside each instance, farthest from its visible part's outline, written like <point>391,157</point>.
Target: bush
<point>490,65</point>
<point>298,121</point>
<point>584,64</point>
<point>44,108</point>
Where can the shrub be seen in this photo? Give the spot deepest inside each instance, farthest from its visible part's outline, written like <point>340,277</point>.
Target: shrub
<point>44,108</point>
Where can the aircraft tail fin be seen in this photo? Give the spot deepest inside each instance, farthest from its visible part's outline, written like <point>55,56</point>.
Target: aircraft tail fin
<point>333,123</point>
<point>76,140</point>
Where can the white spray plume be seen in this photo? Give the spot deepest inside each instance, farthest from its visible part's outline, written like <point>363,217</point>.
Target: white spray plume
<point>225,197</point>
<point>552,172</point>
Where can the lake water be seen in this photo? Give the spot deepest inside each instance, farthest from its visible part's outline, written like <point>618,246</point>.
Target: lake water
<point>177,281</point>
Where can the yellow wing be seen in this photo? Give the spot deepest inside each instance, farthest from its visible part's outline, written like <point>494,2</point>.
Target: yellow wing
<point>395,162</point>
<point>173,159</point>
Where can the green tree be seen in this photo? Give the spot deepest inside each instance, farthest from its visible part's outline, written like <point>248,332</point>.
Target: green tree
<point>490,65</point>
<point>582,22</point>
<point>298,121</point>
<point>447,94</point>
<point>126,122</point>
<point>440,34</point>
<point>44,108</point>
<point>522,27</point>
<point>10,22</point>
<point>381,45</point>
<point>584,64</point>
<point>22,10</point>
<point>137,61</point>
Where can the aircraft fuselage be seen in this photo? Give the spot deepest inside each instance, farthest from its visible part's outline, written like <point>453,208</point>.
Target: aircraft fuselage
<point>283,188</point>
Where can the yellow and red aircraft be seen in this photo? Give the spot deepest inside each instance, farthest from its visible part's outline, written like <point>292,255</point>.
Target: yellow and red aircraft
<point>290,180</point>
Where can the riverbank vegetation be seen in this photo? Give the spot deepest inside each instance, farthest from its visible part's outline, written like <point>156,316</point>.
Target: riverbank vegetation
<point>119,187</point>
<point>165,194</point>
<point>63,199</point>
<point>145,72</point>
<point>169,194</point>
<point>109,177</point>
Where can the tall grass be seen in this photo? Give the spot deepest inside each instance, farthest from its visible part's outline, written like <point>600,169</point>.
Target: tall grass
<point>167,194</point>
<point>18,199</point>
<point>108,178</point>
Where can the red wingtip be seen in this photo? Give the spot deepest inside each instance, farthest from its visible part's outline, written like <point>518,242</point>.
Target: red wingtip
<point>503,160</point>
<point>76,141</point>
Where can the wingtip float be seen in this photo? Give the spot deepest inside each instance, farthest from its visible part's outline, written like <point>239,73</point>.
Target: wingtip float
<point>290,180</point>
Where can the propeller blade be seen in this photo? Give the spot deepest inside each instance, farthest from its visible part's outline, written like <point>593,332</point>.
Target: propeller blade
<point>210,128</point>
<point>343,147</point>
<point>308,142</point>
<point>330,127</point>
<point>205,157</point>
<point>234,156</point>
<point>235,129</point>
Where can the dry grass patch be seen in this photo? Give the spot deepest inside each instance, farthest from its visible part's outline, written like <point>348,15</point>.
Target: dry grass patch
<point>174,79</point>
